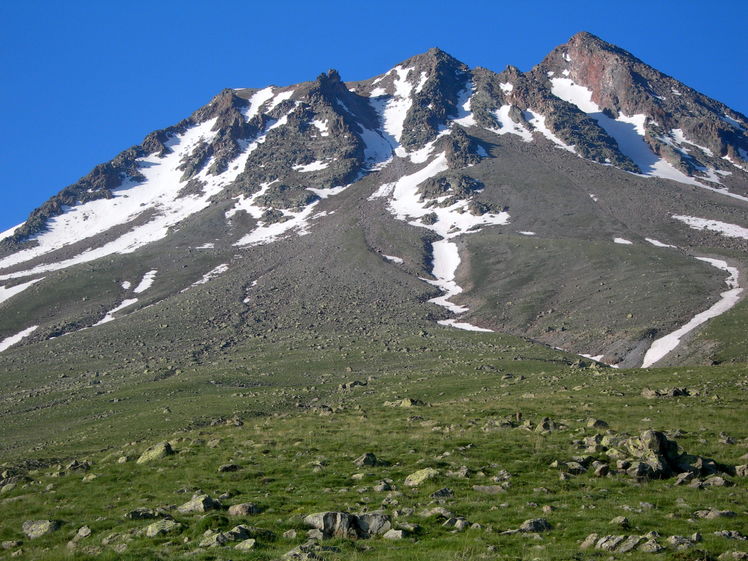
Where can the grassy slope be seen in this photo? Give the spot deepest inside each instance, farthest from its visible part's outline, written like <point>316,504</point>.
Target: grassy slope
<point>463,378</point>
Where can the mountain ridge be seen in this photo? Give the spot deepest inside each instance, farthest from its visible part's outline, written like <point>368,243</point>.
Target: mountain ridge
<point>458,154</point>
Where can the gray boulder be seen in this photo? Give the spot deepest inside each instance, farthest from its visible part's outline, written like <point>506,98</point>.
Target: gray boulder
<point>38,528</point>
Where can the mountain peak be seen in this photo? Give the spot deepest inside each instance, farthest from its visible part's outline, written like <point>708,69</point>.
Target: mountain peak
<point>433,59</point>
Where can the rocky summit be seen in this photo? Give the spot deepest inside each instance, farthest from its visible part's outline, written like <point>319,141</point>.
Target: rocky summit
<point>353,320</point>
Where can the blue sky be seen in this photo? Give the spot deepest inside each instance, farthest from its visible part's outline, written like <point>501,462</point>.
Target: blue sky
<point>83,80</point>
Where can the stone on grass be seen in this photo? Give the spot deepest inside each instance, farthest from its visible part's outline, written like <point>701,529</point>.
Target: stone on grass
<point>162,528</point>
<point>393,535</point>
<point>246,545</point>
<point>199,503</point>
<point>333,524</point>
<point>418,477</point>
<point>156,452</point>
<point>83,532</point>
<point>489,489</point>
<point>372,524</point>
<point>244,509</point>
<point>650,546</point>
<point>38,528</point>
<point>629,544</point>
<point>589,541</point>
<point>367,459</point>
<point>535,525</point>
<point>596,424</point>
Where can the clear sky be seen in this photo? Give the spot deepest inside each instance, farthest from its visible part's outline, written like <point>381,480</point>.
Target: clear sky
<point>83,80</point>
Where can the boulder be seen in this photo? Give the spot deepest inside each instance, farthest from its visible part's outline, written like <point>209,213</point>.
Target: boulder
<point>38,528</point>
<point>199,503</point>
<point>162,528</point>
<point>244,509</point>
<point>367,459</point>
<point>246,545</point>
<point>535,525</point>
<point>393,535</point>
<point>333,524</point>
<point>418,477</point>
<point>156,452</point>
<point>372,524</point>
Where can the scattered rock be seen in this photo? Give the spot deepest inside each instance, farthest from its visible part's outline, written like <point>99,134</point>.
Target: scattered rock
<point>244,509</point>
<point>372,524</point>
<point>238,533</point>
<point>443,493</point>
<point>228,468</point>
<point>246,545</point>
<point>333,524</point>
<point>458,523</point>
<point>712,513</point>
<point>596,424</point>
<point>418,477</point>
<point>731,535</point>
<point>367,459</point>
<point>680,543</point>
<point>535,525</point>
<point>156,452</point>
<point>394,535</point>
<point>162,527</point>
<point>38,528</point>
<point>489,489</point>
<point>621,521</point>
<point>199,503</point>
<point>144,514</point>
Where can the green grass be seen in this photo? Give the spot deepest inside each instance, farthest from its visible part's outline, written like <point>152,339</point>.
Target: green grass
<point>296,460</point>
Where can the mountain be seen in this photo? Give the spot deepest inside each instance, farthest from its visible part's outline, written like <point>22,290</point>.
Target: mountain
<point>592,204</point>
<point>356,310</point>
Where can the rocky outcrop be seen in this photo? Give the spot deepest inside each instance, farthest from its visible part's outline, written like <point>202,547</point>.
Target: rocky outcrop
<point>346,525</point>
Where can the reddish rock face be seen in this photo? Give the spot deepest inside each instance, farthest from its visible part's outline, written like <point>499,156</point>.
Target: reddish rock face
<point>622,84</point>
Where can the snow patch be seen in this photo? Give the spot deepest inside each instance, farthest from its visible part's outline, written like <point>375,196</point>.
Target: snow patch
<point>10,231</point>
<point>463,325</point>
<point>278,99</point>
<point>507,87</point>
<point>449,222</point>
<point>527,233</point>
<point>657,243</point>
<point>210,275</point>
<point>464,113</point>
<point>7,293</point>
<point>322,127</point>
<point>508,126</point>
<point>146,282</point>
<point>628,132</point>
<point>209,245</point>
<point>327,192</point>
<point>664,345</point>
<point>396,108</point>
<point>538,121</point>
<point>593,197</point>
<point>257,101</point>
<point>394,259</point>
<point>730,121</point>
<point>622,241</point>
<point>314,166</point>
<point>680,138</point>
<point>110,314</point>
<point>8,342</point>
<point>126,285</point>
<point>724,228</point>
